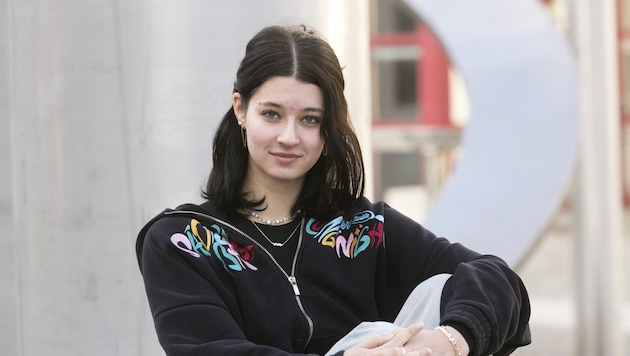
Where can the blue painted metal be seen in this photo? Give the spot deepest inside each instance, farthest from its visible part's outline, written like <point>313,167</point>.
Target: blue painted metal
<point>520,147</point>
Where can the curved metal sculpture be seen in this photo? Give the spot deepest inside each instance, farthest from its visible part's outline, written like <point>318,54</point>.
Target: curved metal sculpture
<point>520,146</point>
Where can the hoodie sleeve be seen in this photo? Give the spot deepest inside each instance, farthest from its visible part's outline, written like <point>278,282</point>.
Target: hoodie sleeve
<point>190,302</point>
<point>483,299</point>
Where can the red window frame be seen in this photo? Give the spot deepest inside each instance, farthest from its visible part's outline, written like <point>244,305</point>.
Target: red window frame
<point>432,76</point>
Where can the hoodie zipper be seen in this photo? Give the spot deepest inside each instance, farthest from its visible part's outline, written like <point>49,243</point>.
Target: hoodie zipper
<point>290,278</point>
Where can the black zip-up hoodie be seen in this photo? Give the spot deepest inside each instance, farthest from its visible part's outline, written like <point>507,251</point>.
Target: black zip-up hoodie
<point>214,290</point>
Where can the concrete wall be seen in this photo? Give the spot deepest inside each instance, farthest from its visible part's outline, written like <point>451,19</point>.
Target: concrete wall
<point>8,318</point>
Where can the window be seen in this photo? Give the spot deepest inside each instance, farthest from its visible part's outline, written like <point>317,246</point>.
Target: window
<point>396,82</point>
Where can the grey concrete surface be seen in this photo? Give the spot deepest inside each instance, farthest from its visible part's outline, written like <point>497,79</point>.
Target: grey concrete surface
<point>8,317</point>
<point>549,274</point>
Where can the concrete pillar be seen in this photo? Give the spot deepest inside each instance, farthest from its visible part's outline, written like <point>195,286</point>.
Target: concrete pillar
<point>71,109</point>
<point>8,327</point>
<point>348,30</point>
<point>598,198</point>
<point>113,106</point>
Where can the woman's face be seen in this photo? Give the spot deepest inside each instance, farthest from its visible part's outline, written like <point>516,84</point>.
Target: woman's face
<point>282,123</point>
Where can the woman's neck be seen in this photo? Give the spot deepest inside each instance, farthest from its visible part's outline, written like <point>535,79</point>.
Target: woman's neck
<point>279,197</point>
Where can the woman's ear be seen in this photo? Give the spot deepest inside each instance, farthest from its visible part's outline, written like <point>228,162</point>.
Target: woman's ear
<point>237,105</point>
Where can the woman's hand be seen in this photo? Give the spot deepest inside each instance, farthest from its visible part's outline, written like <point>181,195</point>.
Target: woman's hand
<point>411,341</point>
<point>438,342</point>
<point>393,344</point>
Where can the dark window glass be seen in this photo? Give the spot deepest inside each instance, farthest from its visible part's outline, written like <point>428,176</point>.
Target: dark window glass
<point>395,85</point>
<point>392,16</point>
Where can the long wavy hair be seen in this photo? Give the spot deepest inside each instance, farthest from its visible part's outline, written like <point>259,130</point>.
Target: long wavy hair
<point>336,180</point>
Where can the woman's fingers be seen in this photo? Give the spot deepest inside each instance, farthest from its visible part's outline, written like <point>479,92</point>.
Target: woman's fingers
<point>389,344</point>
<point>401,336</point>
<point>374,341</point>
<point>425,351</point>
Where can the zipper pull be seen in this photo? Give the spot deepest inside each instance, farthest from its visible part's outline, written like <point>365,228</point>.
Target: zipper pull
<point>293,282</point>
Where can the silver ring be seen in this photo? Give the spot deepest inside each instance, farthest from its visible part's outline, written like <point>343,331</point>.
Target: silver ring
<point>403,350</point>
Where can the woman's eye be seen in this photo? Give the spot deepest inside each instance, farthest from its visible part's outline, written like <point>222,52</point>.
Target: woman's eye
<point>270,115</point>
<point>311,120</point>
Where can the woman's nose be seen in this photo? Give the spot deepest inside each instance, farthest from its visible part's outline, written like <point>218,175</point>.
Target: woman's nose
<point>288,134</point>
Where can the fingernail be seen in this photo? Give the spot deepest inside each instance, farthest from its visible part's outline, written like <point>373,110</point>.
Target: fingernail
<point>419,325</point>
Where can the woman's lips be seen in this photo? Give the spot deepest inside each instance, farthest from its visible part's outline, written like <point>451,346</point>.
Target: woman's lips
<point>285,158</point>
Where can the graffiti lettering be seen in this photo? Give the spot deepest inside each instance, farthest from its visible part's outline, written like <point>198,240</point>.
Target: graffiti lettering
<point>199,240</point>
<point>368,233</point>
<point>180,239</point>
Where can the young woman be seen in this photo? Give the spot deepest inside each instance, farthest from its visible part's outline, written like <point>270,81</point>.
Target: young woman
<point>286,256</point>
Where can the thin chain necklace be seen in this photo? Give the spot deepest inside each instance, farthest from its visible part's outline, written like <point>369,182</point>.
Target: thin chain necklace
<point>276,244</point>
<point>273,222</point>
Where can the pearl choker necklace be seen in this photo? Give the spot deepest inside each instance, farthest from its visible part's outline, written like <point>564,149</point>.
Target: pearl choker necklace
<point>273,222</point>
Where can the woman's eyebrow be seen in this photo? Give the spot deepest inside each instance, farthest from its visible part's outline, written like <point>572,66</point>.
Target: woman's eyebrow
<point>270,104</point>
<point>279,106</point>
